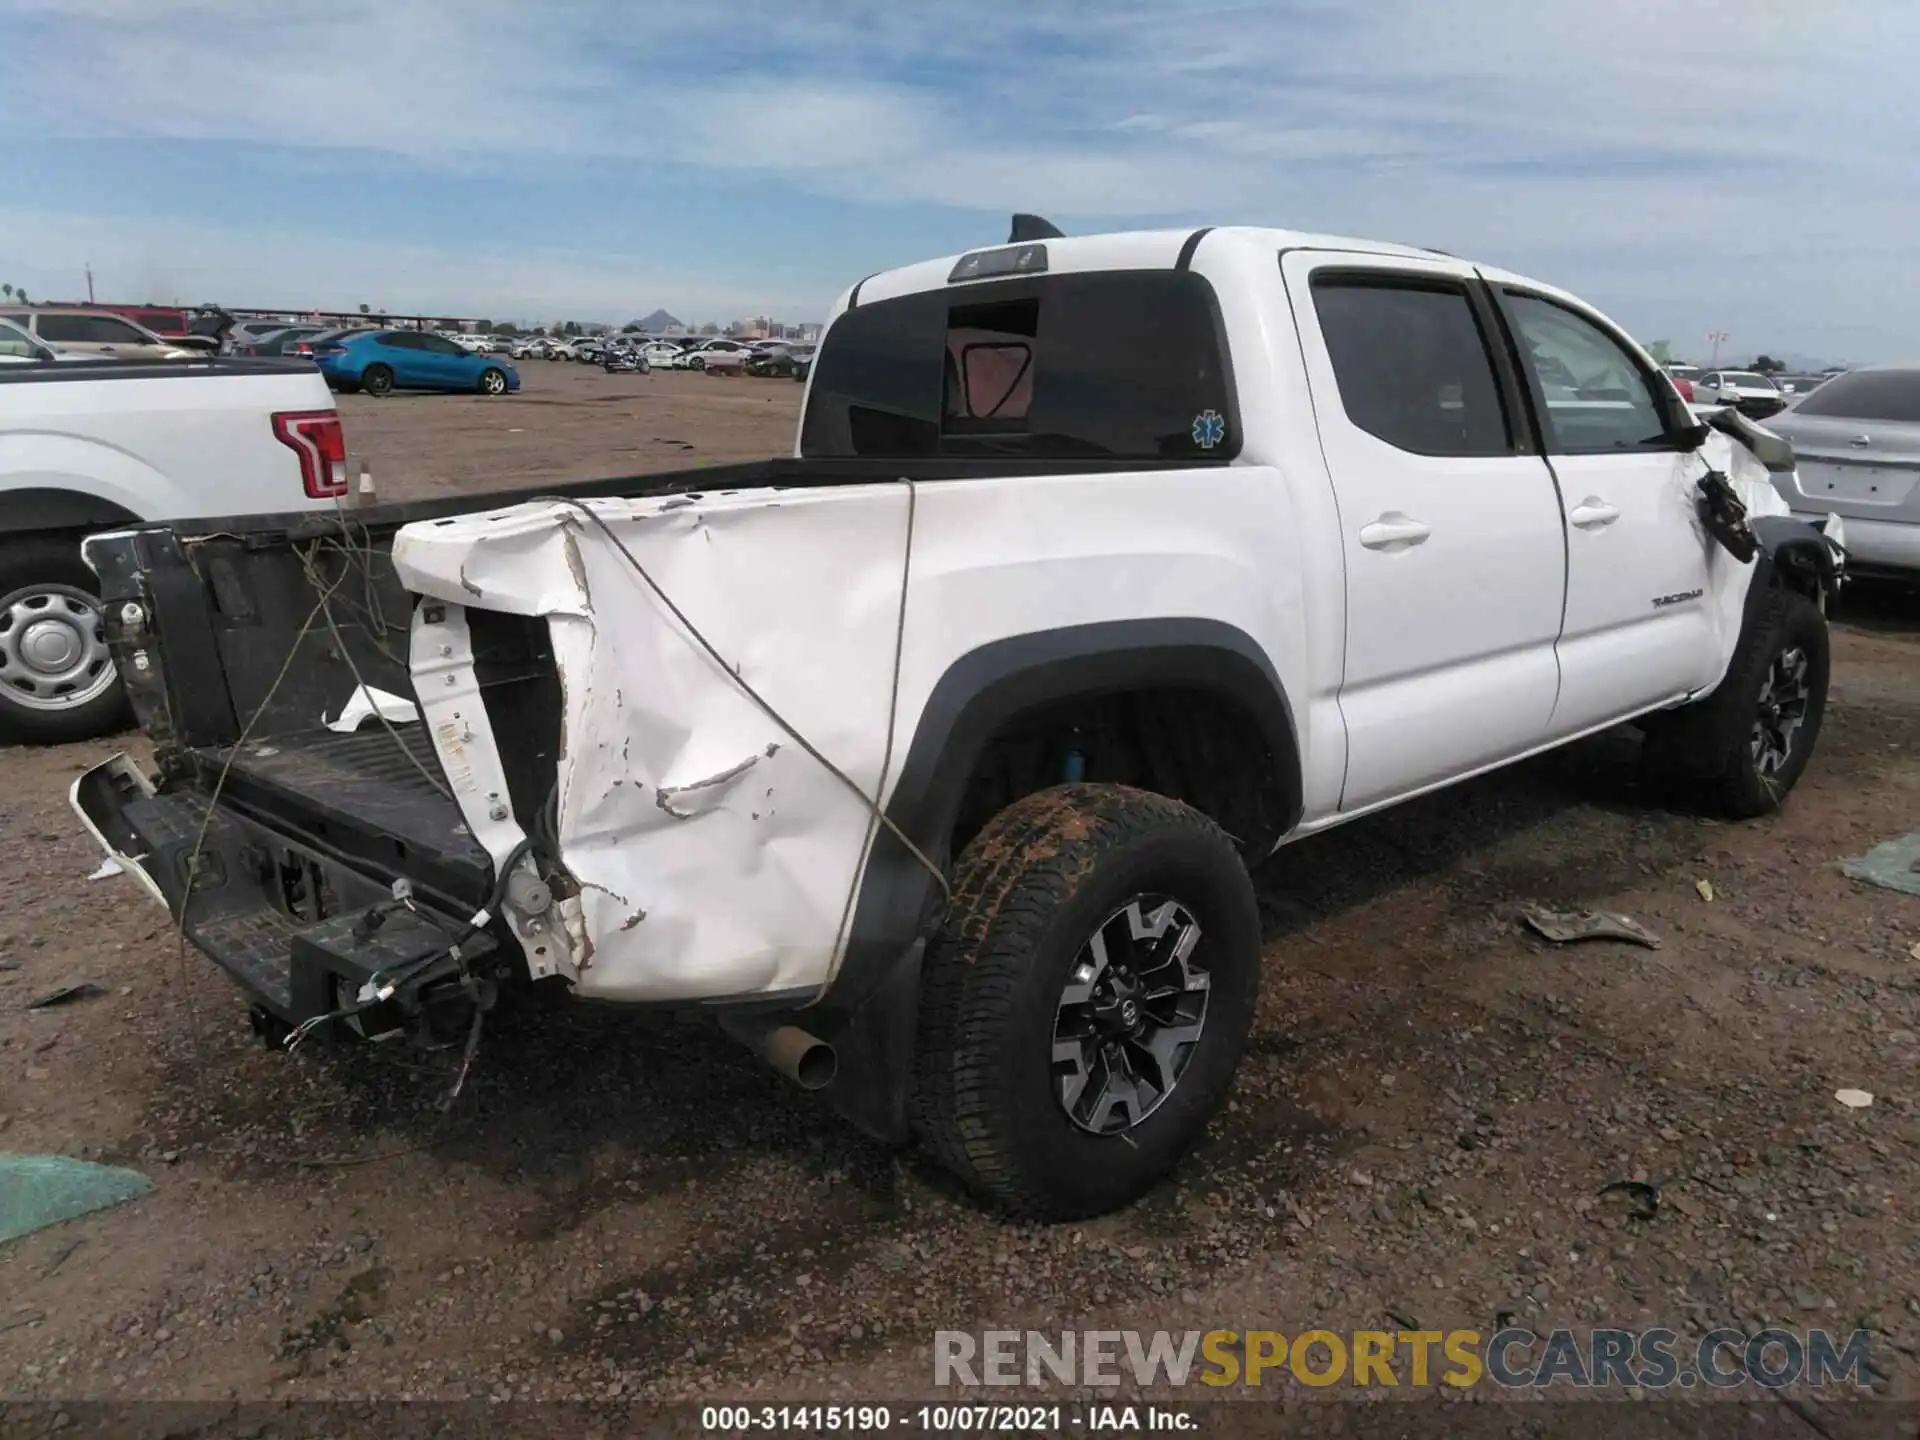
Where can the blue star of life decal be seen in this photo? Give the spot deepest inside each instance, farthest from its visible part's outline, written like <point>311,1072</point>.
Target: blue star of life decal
<point>1209,429</point>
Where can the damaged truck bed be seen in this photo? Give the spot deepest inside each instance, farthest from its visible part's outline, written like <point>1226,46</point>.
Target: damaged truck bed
<point>931,760</point>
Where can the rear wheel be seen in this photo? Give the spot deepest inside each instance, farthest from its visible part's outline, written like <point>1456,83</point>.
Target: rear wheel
<point>57,681</point>
<point>493,381</point>
<point>377,380</point>
<point>696,363</point>
<point>1085,1005</point>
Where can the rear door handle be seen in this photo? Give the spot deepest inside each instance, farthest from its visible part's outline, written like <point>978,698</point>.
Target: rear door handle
<point>1393,531</point>
<point>1592,513</point>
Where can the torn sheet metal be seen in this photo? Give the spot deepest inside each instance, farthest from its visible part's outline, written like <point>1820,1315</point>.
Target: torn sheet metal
<point>367,702</point>
<point>1564,927</point>
<point>713,855</point>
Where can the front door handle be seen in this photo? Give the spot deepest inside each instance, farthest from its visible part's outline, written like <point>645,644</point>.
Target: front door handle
<point>1592,513</point>
<point>1393,531</point>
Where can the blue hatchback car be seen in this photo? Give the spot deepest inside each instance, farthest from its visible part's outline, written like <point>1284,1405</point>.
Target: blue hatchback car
<point>382,361</point>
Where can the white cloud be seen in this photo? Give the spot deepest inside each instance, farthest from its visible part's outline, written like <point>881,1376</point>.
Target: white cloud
<point>1761,148</point>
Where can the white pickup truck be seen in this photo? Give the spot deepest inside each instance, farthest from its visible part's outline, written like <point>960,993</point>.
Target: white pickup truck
<point>930,760</point>
<point>91,443</point>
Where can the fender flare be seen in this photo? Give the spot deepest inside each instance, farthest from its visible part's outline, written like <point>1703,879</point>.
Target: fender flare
<point>1792,547</point>
<point>47,507</point>
<point>870,1009</point>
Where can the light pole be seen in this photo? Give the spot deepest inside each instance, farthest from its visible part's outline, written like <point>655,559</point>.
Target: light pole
<point>89,265</point>
<point>1715,337</point>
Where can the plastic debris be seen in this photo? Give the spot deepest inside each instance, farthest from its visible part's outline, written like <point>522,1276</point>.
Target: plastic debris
<point>1705,887</point>
<point>65,995</point>
<point>1890,866</point>
<point>1566,926</point>
<point>108,867</point>
<point>366,702</point>
<point>1853,1099</point>
<point>1915,951</point>
<point>41,1190</point>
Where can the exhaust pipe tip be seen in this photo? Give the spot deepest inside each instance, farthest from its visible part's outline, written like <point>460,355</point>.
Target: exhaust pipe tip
<point>804,1058</point>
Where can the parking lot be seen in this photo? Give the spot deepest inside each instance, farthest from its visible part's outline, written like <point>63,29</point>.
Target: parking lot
<point>1423,1133</point>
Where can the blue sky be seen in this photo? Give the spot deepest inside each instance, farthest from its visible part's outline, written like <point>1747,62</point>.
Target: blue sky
<point>1687,165</point>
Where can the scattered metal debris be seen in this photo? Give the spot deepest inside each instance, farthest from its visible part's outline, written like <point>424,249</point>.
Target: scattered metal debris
<point>1890,866</point>
<point>1566,926</point>
<point>65,995</point>
<point>366,702</point>
<point>108,867</point>
<point>1643,1198</point>
<point>1854,1099</point>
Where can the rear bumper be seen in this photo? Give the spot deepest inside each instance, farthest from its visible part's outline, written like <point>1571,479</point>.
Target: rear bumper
<point>1884,546</point>
<point>283,920</point>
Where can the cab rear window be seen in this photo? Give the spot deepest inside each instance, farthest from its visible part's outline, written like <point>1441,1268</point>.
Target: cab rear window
<point>1109,364</point>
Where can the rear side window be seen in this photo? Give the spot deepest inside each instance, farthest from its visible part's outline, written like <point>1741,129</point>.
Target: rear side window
<point>1122,364</point>
<point>1412,364</point>
<point>1867,395</point>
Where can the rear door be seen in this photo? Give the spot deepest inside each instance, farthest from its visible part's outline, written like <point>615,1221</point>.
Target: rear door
<point>402,352</point>
<point>1450,525</point>
<point>1639,627</point>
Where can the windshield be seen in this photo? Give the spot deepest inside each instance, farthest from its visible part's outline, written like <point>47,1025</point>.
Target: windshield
<point>15,341</point>
<point>1747,378</point>
<point>1867,395</point>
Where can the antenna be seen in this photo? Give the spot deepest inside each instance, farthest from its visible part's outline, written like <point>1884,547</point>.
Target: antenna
<point>1032,227</point>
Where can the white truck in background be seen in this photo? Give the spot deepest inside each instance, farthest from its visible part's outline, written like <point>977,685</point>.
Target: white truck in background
<point>89,444</point>
<point>931,759</point>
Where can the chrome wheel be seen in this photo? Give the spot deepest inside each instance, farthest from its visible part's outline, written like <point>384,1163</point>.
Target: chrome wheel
<point>53,648</point>
<point>1130,1016</point>
<point>1784,700</point>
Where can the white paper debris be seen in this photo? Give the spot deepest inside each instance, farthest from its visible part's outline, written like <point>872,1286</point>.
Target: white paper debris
<point>367,702</point>
<point>1853,1099</point>
<point>108,867</point>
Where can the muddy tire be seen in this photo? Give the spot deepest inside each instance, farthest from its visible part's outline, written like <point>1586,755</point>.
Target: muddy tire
<point>376,380</point>
<point>1086,1002</point>
<point>1741,749</point>
<point>57,681</point>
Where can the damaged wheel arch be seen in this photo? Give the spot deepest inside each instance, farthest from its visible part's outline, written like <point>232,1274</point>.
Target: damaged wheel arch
<point>1025,687</point>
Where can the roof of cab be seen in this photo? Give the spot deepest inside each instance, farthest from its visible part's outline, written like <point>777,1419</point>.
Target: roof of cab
<point>1121,250</point>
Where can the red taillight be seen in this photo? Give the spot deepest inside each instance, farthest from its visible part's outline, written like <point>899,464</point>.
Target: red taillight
<point>318,439</point>
<point>301,347</point>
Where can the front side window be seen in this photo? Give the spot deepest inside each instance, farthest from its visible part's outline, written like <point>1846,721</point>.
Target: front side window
<point>1412,364</point>
<point>1118,363</point>
<point>1594,396</point>
<point>441,346</point>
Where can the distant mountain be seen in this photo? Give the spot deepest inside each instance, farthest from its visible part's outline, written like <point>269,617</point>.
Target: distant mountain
<point>659,320</point>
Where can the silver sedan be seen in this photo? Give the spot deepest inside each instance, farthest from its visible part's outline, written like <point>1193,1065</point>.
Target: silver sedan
<point>1857,441</point>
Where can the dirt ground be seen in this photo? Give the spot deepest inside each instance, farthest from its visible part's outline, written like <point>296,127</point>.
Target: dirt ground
<point>1421,1134</point>
<point>568,422</point>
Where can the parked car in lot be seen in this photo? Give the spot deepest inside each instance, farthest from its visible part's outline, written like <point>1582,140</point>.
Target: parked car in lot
<point>773,360</point>
<point>19,347</point>
<point>661,354</point>
<point>715,354</point>
<point>496,344</point>
<point>1304,507</point>
<point>559,348</point>
<point>89,443</point>
<point>243,333</point>
<point>1746,390</point>
<point>291,341</point>
<point>529,347</point>
<point>1795,388</point>
<point>379,362</point>
<point>1857,437</point>
<point>96,332</point>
